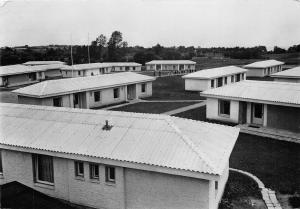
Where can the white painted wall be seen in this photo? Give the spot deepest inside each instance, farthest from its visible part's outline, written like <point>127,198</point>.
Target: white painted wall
<point>156,191</point>
<point>196,84</point>
<point>291,80</point>
<point>212,111</point>
<point>255,72</point>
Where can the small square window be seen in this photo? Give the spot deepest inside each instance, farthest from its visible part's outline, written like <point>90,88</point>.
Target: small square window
<point>57,102</point>
<point>97,96</point>
<point>116,93</point>
<point>110,174</point>
<point>212,83</point>
<point>94,171</point>
<point>79,169</point>
<point>224,107</point>
<point>143,87</point>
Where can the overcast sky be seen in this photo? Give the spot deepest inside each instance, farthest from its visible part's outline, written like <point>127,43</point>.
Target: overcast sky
<point>202,23</point>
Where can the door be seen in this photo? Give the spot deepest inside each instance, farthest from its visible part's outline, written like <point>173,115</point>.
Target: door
<point>257,113</point>
<point>77,100</point>
<point>131,91</point>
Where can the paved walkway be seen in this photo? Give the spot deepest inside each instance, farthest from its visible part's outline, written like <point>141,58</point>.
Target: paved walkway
<point>186,108</point>
<point>271,133</point>
<point>268,195</point>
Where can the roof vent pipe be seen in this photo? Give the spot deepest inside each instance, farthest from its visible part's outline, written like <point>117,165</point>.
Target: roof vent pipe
<point>106,127</point>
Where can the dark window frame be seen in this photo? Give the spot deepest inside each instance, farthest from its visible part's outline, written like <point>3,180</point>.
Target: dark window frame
<point>116,92</point>
<point>97,96</point>
<point>143,87</point>
<point>38,177</point>
<point>110,174</point>
<point>60,102</point>
<point>77,165</point>
<point>94,171</point>
<point>224,108</point>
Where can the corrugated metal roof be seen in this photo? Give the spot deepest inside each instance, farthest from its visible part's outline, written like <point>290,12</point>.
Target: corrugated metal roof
<point>171,62</point>
<point>156,140</point>
<point>81,84</point>
<point>264,64</point>
<point>278,92</point>
<point>20,69</point>
<point>215,72</point>
<point>43,62</point>
<point>290,73</point>
<point>97,65</point>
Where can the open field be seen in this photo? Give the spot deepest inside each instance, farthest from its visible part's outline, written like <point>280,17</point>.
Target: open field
<point>241,192</point>
<point>153,107</point>
<point>171,88</point>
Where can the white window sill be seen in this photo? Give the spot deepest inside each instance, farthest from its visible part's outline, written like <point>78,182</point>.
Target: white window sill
<point>44,185</point>
<point>97,181</point>
<point>108,183</point>
<point>224,115</point>
<point>80,178</point>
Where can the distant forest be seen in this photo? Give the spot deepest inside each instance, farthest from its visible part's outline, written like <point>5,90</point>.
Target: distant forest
<point>116,49</point>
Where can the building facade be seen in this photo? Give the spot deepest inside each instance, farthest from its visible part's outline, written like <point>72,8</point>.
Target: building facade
<point>175,66</point>
<point>213,78</point>
<point>92,69</point>
<point>257,103</point>
<point>290,75</point>
<point>17,75</point>
<point>263,68</point>
<point>116,167</point>
<point>87,92</point>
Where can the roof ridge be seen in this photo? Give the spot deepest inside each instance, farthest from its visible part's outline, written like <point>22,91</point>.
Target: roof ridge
<point>191,145</point>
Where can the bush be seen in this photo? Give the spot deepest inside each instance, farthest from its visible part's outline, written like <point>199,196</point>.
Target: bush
<point>225,204</point>
<point>295,201</point>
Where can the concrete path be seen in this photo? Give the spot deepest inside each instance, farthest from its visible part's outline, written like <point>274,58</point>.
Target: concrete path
<point>268,195</point>
<point>181,100</point>
<point>183,109</point>
<point>121,105</point>
<point>278,134</point>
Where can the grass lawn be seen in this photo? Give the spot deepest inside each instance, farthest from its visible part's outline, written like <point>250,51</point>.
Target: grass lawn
<point>171,88</point>
<point>8,96</point>
<point>153,107</point>
<point>241,192</point>
<point>195,114</point>
<point>276,163</point>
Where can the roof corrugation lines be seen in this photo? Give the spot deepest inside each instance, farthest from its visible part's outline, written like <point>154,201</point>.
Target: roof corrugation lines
<point>80,84</point>
<point>280,92</point>
<point>215,72</point>
<point>43,62</point>
<point>264,64</point>
<point>171,62</point>
<point>156,140</point>
<point>290,73</point>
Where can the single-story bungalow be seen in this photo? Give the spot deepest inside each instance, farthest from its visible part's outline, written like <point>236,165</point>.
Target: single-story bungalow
<point>115,160</point>
<point>213,78</point>
<point>16,75</point>
<point>33,63</point>
<point>176,66</point>
<point>92,69</point>
<point>257,103</point>
<point>87,92</point>
<point>263,68</point>
<point>290,75</point>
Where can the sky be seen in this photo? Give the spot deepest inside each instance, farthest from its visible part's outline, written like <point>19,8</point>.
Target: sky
<point>204,23</point>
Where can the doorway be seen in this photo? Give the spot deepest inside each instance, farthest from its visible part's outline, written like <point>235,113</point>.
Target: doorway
<point>257,113</point>
<point>131,92</point>
<point>77,100</point>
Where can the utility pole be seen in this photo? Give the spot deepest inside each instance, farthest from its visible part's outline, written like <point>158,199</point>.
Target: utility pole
<point>72,55</point>
<point>89,48</point>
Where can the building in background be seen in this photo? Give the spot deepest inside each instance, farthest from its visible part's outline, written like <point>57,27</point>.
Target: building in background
<point>115,160</point>
<point>263,68</point>
<point>257,103</point>
<point>17,75</point>
<point>92,69</point>
<point>290,75</point>
<point>174,66</point>
<point>213,78</point>
<point>87,92</point>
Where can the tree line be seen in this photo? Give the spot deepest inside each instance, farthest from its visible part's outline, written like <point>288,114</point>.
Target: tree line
<point>116,49</point>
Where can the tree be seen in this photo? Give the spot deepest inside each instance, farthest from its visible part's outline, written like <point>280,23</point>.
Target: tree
<point>113,46</point>
<point>101,43</point>
<point>278,50</point>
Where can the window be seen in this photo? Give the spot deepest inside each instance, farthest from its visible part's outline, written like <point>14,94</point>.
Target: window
<point>79,169</point>
<point>133,68</point>
<point>224,107</point>
<point>127,68</point>
<point>94,171</point>
<point>32,76</point>
<point>225,80</point>
<point>116,93</point>
<point>243,76</point>
<point>79,72</point>
<point>110,174</point>
<point>216,185</point>
<point>143,87</point>
<point>97,96</point>
<point>92,74</point>
<point>220,81</point>
<point>212,83</point>
<point>232,79</point>
<point>40,74</point>
<point>43,169</point>
<point>1,168</point>
<point>237,78</point>
<point>57,102</point>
